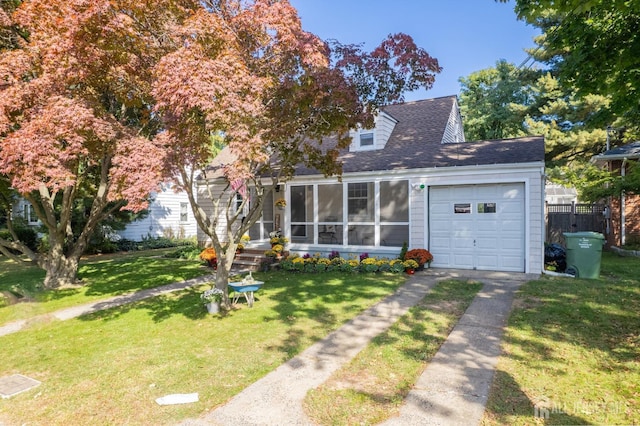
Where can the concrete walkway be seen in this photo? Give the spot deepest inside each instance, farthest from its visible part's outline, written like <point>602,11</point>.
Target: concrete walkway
<point>452,390</point>
<point>112,302</point>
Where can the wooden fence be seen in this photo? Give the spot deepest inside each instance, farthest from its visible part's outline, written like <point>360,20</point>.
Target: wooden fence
<point>573,217</point>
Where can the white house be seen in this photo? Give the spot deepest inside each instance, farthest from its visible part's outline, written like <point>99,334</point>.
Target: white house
<point>413,179</point>
<point>169,215</point>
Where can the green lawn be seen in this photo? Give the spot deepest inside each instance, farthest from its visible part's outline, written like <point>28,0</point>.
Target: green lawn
<point>109,367</point>
<point>572,351</point>
<point>103,277</point>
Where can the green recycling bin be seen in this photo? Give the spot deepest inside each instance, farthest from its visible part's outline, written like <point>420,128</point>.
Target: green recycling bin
<point>584,252</point>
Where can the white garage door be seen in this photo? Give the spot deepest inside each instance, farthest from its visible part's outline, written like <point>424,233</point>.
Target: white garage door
<point>478,227</point>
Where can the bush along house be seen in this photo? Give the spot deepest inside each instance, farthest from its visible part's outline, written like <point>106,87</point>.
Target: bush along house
<point>414,179</point>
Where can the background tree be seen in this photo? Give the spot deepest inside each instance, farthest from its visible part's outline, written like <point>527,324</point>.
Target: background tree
<point>280,96</point>
<point>495,101</point>
<point>591,48</point>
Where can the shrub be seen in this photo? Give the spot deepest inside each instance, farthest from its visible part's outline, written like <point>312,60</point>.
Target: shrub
<point>27,235</point>
<point>126,245</point>
<point>191,252</point>
<point>403,251</point>
<point>287,264</point>
<point>320,267</point>
<point>421,256</point>
<point>383,265</point>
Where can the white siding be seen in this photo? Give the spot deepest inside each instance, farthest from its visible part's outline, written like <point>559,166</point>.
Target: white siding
<point>205,203</point>
<point>453,132</point>
<point>384,127</point>
<point>163,219</point>
<point>531,175</point>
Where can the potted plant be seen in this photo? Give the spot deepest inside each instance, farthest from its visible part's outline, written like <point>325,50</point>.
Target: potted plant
<point>410,266</point>
<point>244,240</point>
<point>281,203</point>
<point>211,299</point>
<point>209,256</point>
<point>421,256</point>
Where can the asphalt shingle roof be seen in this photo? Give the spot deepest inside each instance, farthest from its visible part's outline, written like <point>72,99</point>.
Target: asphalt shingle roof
<point>416,143</point>
<point>631,150</point>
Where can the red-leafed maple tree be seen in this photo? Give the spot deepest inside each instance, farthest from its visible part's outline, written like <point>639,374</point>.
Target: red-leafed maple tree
<point>99,93</point>
<point>75,118</point>
<point>249,72</point>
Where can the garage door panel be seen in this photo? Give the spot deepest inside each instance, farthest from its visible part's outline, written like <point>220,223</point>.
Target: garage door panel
<point>489,261</point>
<point>512,244</point>
<point>462,261</point>
<point>490,237</point>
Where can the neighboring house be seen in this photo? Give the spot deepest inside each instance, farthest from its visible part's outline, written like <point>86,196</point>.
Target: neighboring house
<point>559,194</point>
<point>624,211</point>
<point>169,215</point>
<point>25,210</point>
<point>413,179</point>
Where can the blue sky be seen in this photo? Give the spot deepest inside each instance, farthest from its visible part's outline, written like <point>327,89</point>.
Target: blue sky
<point>464,35</point>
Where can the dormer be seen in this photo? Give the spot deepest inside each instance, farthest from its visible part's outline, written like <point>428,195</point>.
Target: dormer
<point>376,138</point>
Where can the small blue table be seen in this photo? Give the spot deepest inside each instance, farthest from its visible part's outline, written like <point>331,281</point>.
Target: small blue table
<point>242,289</point>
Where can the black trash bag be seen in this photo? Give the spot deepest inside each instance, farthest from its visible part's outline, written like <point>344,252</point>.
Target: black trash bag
<point>555,257</point>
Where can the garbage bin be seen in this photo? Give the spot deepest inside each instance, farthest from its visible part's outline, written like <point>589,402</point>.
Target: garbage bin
<point>584,252</point>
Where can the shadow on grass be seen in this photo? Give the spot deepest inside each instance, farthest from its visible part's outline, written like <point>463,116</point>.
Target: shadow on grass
<point>307,295</point>
<point>122,276</point>
<point>595,314</point>
<point>160,308</point>
<point>514,406</point>
<point>288,298</point>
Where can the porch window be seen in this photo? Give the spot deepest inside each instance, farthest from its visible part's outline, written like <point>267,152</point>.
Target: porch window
<point>355,213</point>
<point>184,216</point>
<point>360,198</point>
<point>29,214</point>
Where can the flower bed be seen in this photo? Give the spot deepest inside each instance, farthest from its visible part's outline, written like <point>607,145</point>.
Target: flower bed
<point>354,264</point>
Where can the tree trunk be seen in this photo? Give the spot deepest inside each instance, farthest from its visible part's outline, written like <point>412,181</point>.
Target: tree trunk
<point>60,271</point>
<point>225,261</point>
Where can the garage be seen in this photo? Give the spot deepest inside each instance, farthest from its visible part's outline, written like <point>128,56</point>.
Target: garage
<point>478,226</point>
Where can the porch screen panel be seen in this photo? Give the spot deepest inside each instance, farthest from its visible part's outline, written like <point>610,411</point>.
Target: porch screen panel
<point>330,203</point>
<point>302,214</point>
<point>302,234</point>
<point>394,201</point>
<point>361,235</point>
<point>261,229</point>
<point>394,235</point>
<point>267,209</point>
